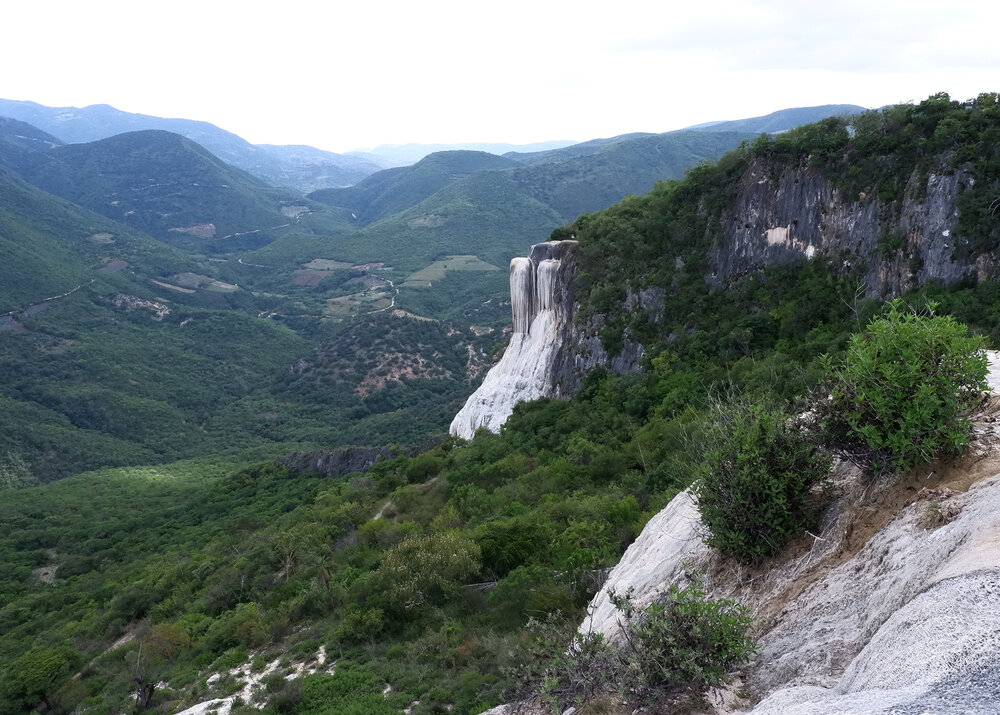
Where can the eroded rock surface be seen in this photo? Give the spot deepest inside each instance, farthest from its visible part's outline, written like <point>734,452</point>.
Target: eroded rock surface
<point>785,213</point>
<point>893,606</point>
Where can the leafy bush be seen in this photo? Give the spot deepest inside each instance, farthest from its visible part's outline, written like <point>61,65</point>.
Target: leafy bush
<point>683,644</point>
<point>755,481</point>
<point>563,676</point>
<point>899,395</point>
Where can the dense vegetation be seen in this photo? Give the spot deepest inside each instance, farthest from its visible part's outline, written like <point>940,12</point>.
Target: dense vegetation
<point>423,572</point>
<point>419,573</point>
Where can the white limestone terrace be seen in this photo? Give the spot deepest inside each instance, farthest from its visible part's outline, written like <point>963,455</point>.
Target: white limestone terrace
<point>901,619</point>
<point>538,297</point>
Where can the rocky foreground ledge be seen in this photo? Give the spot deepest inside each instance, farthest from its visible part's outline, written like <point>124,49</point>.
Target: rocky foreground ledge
<point>892,607</point>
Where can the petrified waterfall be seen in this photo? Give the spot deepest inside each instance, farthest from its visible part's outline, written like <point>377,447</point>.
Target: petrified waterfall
<point>538,288</point>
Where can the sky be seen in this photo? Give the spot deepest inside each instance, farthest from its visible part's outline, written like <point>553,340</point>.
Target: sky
<point>351,75</point>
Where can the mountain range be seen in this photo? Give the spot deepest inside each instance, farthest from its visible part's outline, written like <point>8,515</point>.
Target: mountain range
<point>306,168</point>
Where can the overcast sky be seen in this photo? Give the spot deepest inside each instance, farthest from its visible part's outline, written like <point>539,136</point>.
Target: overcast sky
<point>353,74</point>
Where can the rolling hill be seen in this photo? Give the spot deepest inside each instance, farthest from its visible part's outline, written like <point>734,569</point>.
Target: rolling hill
<point>594,181</point>
<point>50,245</point>
<point>406,154</point>
<point>395,190</point>
<point>159,183</point>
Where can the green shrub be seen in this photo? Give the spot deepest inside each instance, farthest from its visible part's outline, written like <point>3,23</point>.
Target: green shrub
<point>754,483</point>
<point>679,646</point>
<point>683,644</point>
<point>543,665</point>
<point>899,396</point>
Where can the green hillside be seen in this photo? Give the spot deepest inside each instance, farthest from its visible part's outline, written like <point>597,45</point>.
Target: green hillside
<point>395,190</point>
<point>599,179</point>
<point>50,246</point>
<point>25,136</point>
<point>162,184</point>
<point>572,151</point>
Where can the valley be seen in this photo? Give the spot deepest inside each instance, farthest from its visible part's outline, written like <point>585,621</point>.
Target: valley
<point>225,465</point>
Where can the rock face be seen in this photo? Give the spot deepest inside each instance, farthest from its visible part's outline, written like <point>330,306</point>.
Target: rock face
<point>901,621</point>
<point>654,561</point>
<point>785,213</point>
<point>541,305</point>
<point>335,463</point>
<point>912,617</point>
<point>548,352</point>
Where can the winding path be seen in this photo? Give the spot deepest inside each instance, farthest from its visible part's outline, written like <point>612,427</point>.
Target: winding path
<point>47,300</point>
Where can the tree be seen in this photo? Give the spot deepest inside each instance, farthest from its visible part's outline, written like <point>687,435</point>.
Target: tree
<point>15,472</point>
<point>149,663</point>
<point>427,569</point>
<point>35,675</point>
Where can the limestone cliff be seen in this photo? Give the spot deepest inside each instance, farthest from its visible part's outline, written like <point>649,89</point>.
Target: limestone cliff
<point>539,298</point>
<point>786,213</point>
<point>548,352</point>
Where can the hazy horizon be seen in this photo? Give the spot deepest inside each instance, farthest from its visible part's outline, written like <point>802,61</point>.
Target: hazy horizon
<point>444,72</point>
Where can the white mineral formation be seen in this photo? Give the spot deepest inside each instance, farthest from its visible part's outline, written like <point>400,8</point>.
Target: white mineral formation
<point>538,286</point>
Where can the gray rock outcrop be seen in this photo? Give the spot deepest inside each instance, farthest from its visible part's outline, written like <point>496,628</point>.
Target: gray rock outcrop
<point>782,213</point>
<point>335,462</point>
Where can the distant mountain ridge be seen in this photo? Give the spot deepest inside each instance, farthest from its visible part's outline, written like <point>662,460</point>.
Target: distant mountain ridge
<point>307,169</point>
<point>302,168</point>
<point>781,120</point>
<point>405,154</point>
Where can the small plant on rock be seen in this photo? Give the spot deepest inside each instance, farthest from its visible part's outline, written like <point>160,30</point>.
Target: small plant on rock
<point>755,482</point>
<point>671,650</point>
<point>681,645</point>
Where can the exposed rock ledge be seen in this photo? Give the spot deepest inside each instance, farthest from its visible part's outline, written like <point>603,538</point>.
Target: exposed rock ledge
<point>894,607</point>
